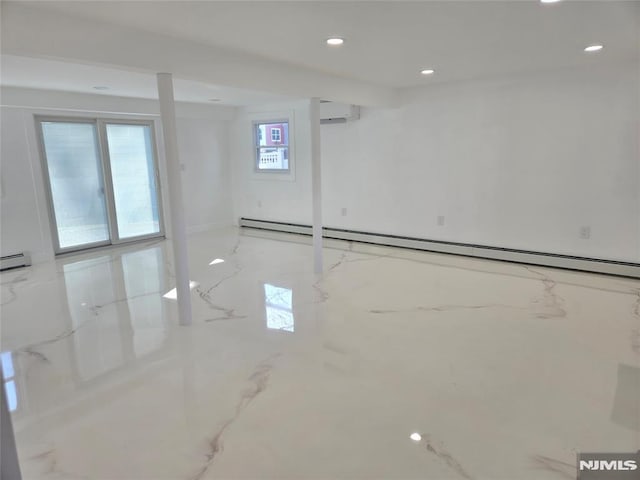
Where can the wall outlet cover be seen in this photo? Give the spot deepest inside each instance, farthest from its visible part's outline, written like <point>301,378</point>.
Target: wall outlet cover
<point>585,232</point>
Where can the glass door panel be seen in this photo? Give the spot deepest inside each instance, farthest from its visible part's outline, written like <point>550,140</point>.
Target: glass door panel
<point>133,178</point>
<point>76,184</point>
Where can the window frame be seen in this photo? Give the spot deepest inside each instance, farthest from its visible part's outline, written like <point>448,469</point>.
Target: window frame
<point>270,120</point>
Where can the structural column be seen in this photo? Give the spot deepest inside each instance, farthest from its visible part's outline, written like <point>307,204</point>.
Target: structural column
<point>316,184</point>
<point>176,205</point>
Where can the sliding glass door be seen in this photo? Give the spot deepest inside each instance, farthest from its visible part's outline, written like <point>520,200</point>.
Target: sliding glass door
<point>102,181</point>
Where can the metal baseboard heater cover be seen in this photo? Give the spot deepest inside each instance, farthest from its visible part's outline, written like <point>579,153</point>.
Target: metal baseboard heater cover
<point>610,267</point>
<point>15,261</point>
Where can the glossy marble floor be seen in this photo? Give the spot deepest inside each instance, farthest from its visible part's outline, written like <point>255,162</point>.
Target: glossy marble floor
<point>505,371</point>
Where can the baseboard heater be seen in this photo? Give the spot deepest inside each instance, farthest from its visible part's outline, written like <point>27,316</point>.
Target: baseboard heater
<point>611,267</point>
<point>15,261</point>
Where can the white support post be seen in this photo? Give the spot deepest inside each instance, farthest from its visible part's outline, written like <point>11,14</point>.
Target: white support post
<point>316,183</point>
<point>178,225</point>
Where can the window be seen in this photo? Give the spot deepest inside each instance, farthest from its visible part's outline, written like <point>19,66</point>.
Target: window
<point>271,142</point>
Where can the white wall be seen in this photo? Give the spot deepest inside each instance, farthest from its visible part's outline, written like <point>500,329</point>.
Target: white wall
<point>203,138</point>
<point>522,162</point>
<point>204,150</point>
<point>267,195</point>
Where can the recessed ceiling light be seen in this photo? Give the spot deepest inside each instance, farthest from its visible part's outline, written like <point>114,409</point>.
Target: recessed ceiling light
<point>335,41</point>
<point>100,87</point>
<point>416,437</point>
<point>593,48</point>
<point>427,71</point>
<point>550,1</point>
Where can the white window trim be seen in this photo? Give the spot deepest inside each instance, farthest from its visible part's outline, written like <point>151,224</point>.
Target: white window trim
<point>287,116</point>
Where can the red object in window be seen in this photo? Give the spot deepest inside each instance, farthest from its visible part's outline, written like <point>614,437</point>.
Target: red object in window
<point>275,134</point>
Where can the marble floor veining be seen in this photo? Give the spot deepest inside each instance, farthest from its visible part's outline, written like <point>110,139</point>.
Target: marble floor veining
<point>393,364</point>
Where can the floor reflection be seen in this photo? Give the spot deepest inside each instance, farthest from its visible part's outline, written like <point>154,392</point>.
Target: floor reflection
<point>116,310</point>
<point>143,281</point>
<point>108,385</point>
<point>626,402</point>
<point>8,374</point>
<point>278,303</point>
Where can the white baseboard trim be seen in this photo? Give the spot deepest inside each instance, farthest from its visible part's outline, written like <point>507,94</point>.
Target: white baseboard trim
<point>17,260</point>
<point>610,267</point>
<point>37,257</point>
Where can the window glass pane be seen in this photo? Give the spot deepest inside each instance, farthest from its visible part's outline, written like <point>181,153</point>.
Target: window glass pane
<point>133,176</point>
<point>272,146</point>
<point>273,158</point>
<point>75,174</point>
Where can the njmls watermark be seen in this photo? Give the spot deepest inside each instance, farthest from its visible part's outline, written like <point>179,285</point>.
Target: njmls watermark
<point>608,466</point>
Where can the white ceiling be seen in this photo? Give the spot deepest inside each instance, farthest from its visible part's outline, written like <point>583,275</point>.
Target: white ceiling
<point>387,42</point>
<point>47,74</point>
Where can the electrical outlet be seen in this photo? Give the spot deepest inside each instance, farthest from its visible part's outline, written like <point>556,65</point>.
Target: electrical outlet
<point>344,211</point>
<point>585,232</point>
<point>259,203</point>
<point>441,220</point>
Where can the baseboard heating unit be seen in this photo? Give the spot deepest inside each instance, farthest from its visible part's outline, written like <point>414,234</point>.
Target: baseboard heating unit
<point>610,267</point>
<point>15,261</point>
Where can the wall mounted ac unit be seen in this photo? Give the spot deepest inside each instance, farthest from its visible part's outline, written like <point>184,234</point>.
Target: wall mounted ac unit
<point>332,112</point>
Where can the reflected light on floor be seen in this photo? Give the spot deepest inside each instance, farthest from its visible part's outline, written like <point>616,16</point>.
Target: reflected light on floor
<point>8,374</point>
<point>173,294</point>
<point>216,261</point>
<point>278,306</point>
<point>416,437</point>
